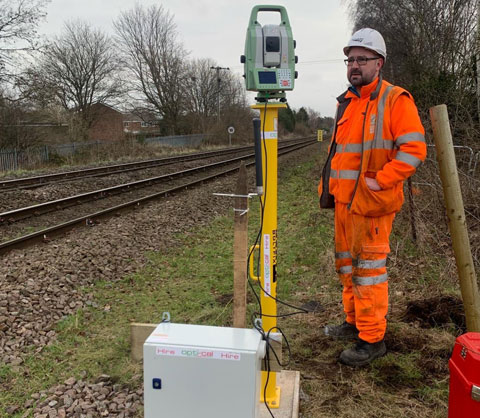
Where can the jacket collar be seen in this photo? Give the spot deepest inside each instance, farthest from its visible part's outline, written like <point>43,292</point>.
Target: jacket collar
<point>371,90</point>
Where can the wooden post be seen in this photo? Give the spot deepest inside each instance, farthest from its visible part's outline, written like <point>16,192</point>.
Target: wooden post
<point>240,251</point>
<point>138,334</point>
<point>478,57</point>
<point>456,215</point>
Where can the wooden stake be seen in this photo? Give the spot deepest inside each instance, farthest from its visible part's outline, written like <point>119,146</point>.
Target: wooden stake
<point>240,251</point>
<point>456,215</point>
<point>138,334</point>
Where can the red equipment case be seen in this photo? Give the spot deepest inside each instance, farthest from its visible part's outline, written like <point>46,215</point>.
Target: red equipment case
<point>464,397</point>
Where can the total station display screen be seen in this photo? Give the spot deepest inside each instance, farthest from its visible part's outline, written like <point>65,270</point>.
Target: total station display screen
<point>267,77</point>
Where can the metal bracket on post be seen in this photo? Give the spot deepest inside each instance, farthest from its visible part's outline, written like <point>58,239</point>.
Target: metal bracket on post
<point>248,196</point>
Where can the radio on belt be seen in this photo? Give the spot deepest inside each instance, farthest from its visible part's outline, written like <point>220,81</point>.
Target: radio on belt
<point>202,371</point>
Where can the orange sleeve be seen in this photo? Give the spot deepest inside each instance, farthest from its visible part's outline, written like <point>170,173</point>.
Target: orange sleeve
<point>409,136</point>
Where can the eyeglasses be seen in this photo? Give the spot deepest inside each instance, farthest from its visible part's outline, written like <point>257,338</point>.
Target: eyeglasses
<point>360,60</point>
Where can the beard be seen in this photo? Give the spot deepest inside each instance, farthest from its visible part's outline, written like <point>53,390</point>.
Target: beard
<point>358,78</point>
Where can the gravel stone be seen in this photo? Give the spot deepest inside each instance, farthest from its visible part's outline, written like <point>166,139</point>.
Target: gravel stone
<point>39,286</point>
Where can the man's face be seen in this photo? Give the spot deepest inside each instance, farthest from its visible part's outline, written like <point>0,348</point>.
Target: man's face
<point>361,75</point>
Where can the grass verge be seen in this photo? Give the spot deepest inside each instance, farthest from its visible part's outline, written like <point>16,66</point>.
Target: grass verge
<point>194,283</point>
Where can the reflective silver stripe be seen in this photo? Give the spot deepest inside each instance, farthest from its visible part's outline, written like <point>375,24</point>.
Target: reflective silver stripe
<point>370,264</point>
<point>353,148</point>
<point>345,269</point>
<point>387,144</point>
<point>348,174</point>
<point>411,137</point>
<point>408,158</point>
<point>345,254</point>
<point>379,144</point>
<point>344,174</point>
<point>371,280</point>
<point>378,137</point>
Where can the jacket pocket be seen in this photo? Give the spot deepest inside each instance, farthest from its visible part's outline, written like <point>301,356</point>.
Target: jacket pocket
<point>380,248</point>
<point>371,203</point>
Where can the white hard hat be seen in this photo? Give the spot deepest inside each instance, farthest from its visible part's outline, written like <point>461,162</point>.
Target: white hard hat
<point>369,39</point>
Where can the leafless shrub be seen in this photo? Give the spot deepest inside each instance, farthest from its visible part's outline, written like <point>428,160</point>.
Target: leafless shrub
<point>77,70</point>
<point>155,59</point>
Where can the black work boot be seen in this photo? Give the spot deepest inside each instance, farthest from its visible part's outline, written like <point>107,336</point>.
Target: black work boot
<point>344,330</point>
<point>363,353</point>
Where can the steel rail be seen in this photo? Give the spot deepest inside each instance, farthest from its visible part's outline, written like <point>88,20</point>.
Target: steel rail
<point>43,180</point>
<point>55,205</point>
<point>46,234</point>
<point>38,181</point>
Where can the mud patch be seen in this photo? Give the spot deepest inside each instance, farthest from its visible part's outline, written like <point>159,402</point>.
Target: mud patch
<point>224,299</point>
<point>435,312</point>
<point>404,343</point>
<point>227,298</point>
<point>313,306</point>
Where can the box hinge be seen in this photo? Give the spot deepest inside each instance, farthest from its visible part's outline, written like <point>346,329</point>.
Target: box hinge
<point>476,393</point>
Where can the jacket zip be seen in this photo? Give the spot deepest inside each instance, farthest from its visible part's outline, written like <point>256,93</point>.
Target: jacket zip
<point>361,158</point>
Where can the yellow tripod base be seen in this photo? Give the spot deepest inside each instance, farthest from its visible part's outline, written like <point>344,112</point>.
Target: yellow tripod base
<point>272,401</point>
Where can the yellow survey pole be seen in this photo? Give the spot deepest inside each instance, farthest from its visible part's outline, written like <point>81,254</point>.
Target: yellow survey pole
<point>268,244</point>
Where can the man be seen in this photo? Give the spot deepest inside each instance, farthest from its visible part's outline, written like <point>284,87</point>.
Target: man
<point>377,143</point>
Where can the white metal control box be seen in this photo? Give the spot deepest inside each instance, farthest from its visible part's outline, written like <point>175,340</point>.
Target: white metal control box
<point>196,371</point>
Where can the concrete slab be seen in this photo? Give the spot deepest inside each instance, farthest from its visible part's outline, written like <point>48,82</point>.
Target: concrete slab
<point>289,382</point>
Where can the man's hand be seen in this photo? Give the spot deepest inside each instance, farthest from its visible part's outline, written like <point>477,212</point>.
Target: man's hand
<point>372,184</point>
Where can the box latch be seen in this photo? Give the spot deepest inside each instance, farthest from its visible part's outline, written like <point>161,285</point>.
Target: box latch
<point>476,393</point>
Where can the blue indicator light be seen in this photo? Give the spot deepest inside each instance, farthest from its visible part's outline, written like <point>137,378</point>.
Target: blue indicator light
<point>157,383</point>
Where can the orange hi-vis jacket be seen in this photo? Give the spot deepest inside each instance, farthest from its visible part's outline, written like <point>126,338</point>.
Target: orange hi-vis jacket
<point>378,134</point>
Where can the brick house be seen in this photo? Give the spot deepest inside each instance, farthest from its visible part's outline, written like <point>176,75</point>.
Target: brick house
<point>112,125</point>
<point>135,124</point>
<point>107,124</point>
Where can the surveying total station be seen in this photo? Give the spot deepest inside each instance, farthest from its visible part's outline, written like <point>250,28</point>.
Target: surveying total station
<point>269,56</point>
<point>216,372</point>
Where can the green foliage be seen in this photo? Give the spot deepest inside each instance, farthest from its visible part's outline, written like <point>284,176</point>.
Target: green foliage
<point>286,119</point>
<point>302,116</point>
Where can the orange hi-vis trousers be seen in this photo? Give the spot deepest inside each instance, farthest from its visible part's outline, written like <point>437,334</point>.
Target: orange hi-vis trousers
<point>361,248</point>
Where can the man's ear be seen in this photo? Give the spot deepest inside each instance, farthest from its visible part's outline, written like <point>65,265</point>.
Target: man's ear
<point>380,63</point>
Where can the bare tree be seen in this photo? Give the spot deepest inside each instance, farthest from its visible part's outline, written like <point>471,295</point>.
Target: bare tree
<point>18,32</point>
<point>78,68</point>
<point>431,50</point>
<point>155,58</point>
<point>232,91</point>
<point>201,93</point>
<point>204,92</point>
<point>18,26</point>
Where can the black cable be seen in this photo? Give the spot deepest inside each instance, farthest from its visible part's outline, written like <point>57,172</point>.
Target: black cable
<point>266,338</point>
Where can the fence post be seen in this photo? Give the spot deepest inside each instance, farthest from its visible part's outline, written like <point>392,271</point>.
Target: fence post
<point>456,215</point>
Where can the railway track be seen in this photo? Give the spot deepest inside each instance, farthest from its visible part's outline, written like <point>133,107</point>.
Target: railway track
<point>222,168</point>
<point>43,180</point>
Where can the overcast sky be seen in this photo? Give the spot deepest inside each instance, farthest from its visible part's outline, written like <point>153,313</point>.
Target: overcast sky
<point>216,29</point>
